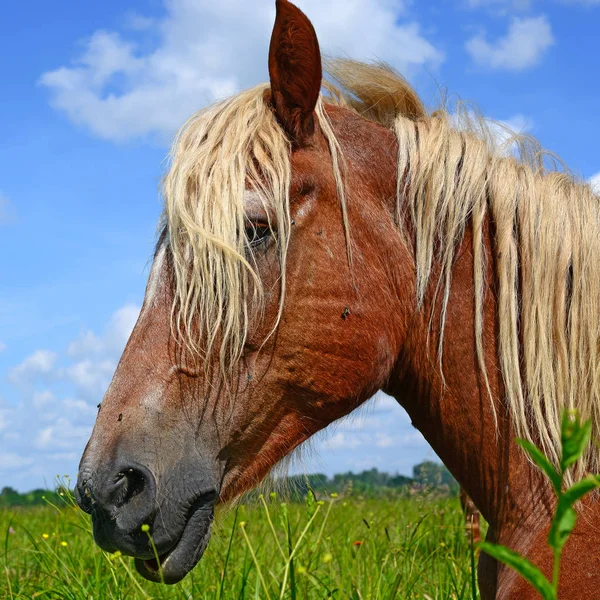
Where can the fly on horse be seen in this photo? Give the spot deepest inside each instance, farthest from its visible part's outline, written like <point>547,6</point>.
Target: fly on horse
<point>318,246</point>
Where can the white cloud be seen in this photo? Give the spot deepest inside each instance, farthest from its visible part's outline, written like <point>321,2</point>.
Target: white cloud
<point>41,362</point>
<point>87,343</point>
<point>380,424</point>
<point>74,405</point>
<point>595,183</point>
<point>521,48</point>
<point>63,434</point>
<point>505,130</point>
<point>11,460</point>
<point>94,362</point>
<point>64,456</point>
<point>208,50</point>
<point>2,347</point>
<point>115,336</point>
<point>91,377</point>
<point>383,402</point>
<point>44,438</point>
<point>4,417</point>
<point>121,325</point>
<point>413,438</point>
<point>97,355</point>
<point>342,440</point>
<point>138,22</point>
<point>47,431</point>
<point>7,210</point>
<point>43,399</point>
<point>518,124</point>
<point>501,4</point>
<point>502,132</point>
<point>384,440</point>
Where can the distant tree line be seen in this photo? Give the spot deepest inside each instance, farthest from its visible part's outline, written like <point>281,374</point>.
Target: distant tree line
<point>10,498</point>
<point>426,475</point>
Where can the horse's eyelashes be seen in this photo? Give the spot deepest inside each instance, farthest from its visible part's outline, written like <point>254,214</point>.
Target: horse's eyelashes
<point>257,234</point>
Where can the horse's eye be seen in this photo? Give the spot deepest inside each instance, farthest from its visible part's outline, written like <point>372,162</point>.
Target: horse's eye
<point>257,234</point>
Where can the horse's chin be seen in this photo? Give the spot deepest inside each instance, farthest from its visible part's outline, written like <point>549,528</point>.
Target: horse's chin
<point>174,565</point>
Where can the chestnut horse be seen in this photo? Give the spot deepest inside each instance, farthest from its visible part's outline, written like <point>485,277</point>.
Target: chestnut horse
<point>317,248</point>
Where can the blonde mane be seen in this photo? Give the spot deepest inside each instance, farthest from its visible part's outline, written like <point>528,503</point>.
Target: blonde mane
<point>218,154</point>
<point>546,247</point>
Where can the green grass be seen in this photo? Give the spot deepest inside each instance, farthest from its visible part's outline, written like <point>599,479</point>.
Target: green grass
<point>352,547</point>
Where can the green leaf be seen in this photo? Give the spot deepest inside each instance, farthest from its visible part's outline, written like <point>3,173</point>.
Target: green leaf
<point>311,503</point>
<point>521,565</point>
<point>565,517</point>
<point>575,437</point>
<point>562,526</point>
<point>538,457</point>
<point>580,489</point>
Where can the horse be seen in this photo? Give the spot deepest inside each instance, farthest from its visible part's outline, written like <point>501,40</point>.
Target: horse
<point>325,239</point>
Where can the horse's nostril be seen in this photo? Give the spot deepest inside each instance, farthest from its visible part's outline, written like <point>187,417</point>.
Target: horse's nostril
<point>128,484</point>
<point>124,492</point>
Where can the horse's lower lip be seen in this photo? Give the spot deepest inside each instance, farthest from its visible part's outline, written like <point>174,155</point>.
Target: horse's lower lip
<point>185,554</point>
<point>152,565</point>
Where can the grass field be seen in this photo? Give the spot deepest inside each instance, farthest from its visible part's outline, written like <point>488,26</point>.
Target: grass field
<point>339,547</point>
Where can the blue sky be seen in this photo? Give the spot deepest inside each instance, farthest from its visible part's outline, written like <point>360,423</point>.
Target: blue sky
<point>92,94</point>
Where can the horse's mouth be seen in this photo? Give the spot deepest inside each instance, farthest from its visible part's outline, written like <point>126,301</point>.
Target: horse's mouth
<point>173,565</point>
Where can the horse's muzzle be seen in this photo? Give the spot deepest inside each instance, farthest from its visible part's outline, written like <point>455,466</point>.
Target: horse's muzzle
<point>167,539</point>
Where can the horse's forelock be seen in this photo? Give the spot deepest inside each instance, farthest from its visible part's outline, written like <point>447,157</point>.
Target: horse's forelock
<point>217,155</point>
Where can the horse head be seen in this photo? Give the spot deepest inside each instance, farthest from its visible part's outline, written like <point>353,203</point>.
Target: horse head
<point>271,308</point>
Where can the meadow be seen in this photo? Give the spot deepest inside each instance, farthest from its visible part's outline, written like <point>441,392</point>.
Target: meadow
<point>400,545</point>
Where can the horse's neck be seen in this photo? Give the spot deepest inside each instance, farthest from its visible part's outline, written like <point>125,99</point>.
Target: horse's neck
<point>454,412</point>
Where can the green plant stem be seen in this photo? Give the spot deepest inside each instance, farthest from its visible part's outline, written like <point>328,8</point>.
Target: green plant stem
<point>293,552</point>
<point>132,577</point>
<point>262,499</point>
<point>156,557</point>
<point>556,570</point>
<point>256,563</point>
<point>233,529</point>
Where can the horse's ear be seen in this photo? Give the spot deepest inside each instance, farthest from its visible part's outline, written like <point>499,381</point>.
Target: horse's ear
<point>295,71</point>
